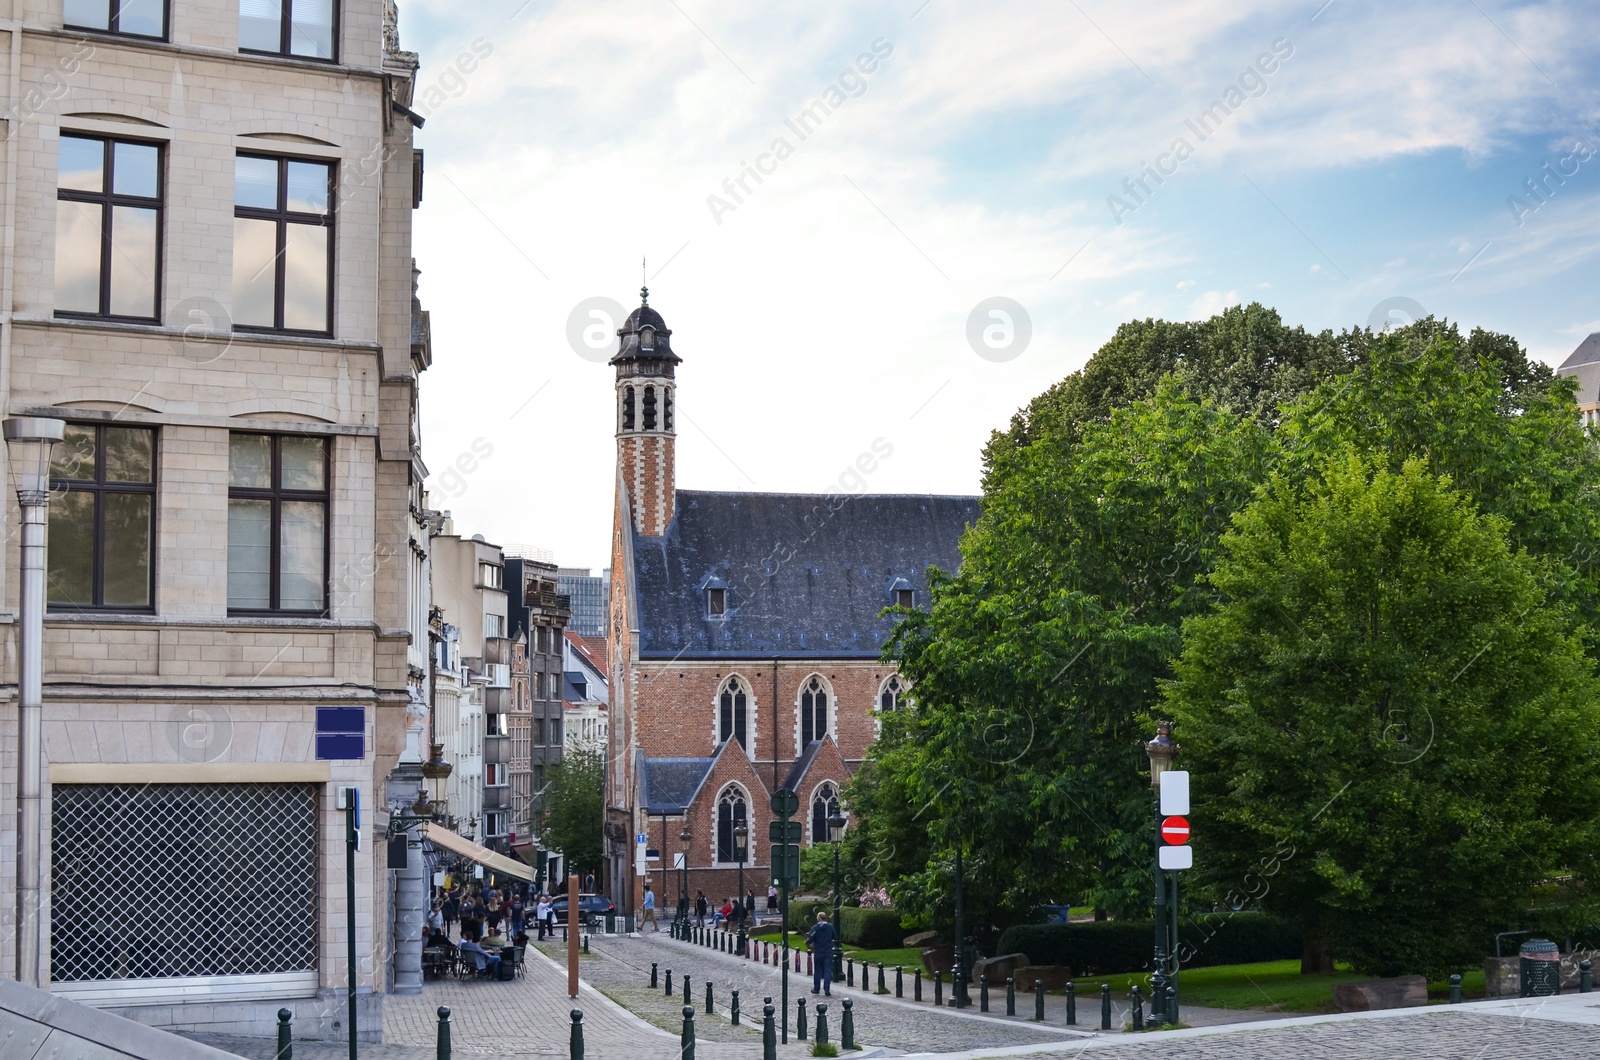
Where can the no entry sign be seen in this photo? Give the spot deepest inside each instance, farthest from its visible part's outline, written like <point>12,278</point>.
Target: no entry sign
<point>1175,831</point>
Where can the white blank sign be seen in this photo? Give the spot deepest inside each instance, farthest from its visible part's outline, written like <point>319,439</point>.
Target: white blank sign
<point>1177,857</point>
<point>677,860</point>
<point>1175,793</point>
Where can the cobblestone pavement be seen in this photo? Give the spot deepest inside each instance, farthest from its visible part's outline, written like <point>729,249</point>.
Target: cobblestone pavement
<point>880,1021</point>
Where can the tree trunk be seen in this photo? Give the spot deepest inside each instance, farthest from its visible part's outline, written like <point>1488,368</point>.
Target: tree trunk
<point>1099,913</point>
<point>1315,958</point>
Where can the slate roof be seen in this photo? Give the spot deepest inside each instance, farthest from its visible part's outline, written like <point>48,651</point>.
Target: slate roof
<point>1588,352</point>
<point>797,772</point>
<point>669,785</point>
<point>802,580</point>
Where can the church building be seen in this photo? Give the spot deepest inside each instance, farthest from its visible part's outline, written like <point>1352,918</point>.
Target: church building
<point>744,638</point>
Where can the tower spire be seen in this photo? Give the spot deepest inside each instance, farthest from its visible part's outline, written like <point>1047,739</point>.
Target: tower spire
<point>644,291</point>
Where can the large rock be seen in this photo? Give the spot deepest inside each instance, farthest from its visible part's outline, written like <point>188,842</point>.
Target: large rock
<point>939,959</point>
<point>920,938</point>
<point>1403,991</point>
<point>999,969</point>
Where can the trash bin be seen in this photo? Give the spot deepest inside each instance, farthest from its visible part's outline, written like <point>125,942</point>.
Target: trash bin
<point>1540,967</point>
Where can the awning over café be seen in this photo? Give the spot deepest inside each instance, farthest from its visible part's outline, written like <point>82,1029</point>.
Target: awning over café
<point>448,840</point>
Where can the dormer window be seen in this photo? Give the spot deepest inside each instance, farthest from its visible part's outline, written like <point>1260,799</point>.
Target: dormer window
<point>716,602</point>
<point>647,339</point>
<point>904,598</point>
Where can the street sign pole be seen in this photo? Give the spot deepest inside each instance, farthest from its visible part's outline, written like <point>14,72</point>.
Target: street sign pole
<point>1173,854</point>
<point>785,863</point>
<point>352,839</point>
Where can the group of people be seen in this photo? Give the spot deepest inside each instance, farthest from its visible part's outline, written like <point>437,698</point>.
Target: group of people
<point>491,918</point>
<point>731,911</point>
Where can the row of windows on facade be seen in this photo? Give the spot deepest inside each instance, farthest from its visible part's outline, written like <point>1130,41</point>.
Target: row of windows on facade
<point>306,29</point>
<point>733,708</point>
<point>110,198</point>
<point>732,812</point>
<point>717,600</point>
<point>102,520</point>
<point>499,724</point>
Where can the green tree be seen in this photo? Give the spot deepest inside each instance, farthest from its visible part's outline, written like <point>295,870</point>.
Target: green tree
<point>1389,720</point>
<point>574,808</point>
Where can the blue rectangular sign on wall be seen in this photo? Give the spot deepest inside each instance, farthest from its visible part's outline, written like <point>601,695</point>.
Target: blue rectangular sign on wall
<point>341,734</point>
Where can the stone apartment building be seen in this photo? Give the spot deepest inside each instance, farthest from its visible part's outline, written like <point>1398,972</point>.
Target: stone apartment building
<point>206,273</point>
<point>539,616</point>
<point>743,641</point>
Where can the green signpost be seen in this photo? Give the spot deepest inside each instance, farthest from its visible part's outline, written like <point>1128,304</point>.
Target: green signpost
<point>784,835</point>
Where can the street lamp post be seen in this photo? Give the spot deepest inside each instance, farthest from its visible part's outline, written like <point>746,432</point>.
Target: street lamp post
<point>958,974</point>
<point>1163,751</point>
<point>683,876</point>
<point>741,845</point>
<point>836,836</point>
<point>30,445</point>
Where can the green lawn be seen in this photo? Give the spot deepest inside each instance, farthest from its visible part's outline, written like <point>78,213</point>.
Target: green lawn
<point>1272,985</point>
<point>907,957</point>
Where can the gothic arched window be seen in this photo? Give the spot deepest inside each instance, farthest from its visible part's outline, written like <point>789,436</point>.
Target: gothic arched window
<point>813,711</point>
<point>889,696</point>
<point>733,714</point>
<point>730,814</point>
<point>824,804</point>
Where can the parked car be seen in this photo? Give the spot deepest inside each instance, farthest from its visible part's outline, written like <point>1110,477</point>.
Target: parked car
<point>591,907</point>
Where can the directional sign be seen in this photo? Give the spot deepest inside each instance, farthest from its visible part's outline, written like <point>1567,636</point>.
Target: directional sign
<point>1175,831</point>
<point>785,802</point>
<point>783,832</point>
<point>786,865</point>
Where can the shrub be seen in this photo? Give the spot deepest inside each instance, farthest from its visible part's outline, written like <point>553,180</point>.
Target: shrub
<point>1111,946</point>
<point>871,929</point>
<point>802,915</point>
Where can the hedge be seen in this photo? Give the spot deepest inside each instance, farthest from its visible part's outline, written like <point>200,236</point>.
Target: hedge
<point>1110,946</point>
<point>802,915</point>
<point>871,929</point>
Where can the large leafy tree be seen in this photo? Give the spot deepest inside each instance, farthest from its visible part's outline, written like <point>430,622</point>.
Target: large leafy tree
<point>1390,718</point>
<point>574,808</point>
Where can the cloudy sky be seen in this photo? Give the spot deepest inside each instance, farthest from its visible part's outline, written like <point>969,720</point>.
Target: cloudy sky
<point>1088,162</point>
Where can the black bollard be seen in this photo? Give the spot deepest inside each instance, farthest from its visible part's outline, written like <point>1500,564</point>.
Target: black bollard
<point>1455,990</point>
<point>916,984</point>
<point>285,1039</point>
<point>709,1008</point>
<point>1138,1009</point>
<point>443,1052</point>
<point>1105,1006</point>
<point>654,982</point>
<point>881,988</point>
<point>575,1045</point>
<point>847,1027</point>
<point>899,982</point>
<point>938,988</point>
<point>822,1024</point>
<point>850,972</point>
<point>1072,1004</point>
<point>983,993</point>
<point>734,1012</point>
<point>1038,1001</point>
<point>585,942</point>
<point>866,976</point>
<point>1585,977</point>
<point>800,1020</point>
<point>687,999</point>
<point>1011,996</point>
<point>769,1032</point>
<point>669,982</point>
<point>1170,1013</point>
<point>686,1040</point>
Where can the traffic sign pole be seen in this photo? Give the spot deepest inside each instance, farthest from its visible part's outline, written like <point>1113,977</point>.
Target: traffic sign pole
<point>784,805</point>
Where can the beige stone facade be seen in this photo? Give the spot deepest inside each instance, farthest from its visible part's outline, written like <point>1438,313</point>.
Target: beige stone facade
<point>186,691</point>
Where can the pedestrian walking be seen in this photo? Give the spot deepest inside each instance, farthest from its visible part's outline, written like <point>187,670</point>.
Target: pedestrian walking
<point>541,913</point>
<point>772,898</point>
<point>700,909</point>
<point>518,913</point>
<point>820,941</point>
<point>649,910</point>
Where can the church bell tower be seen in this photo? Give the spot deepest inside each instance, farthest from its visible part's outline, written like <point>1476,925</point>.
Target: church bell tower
<point>646,432</point>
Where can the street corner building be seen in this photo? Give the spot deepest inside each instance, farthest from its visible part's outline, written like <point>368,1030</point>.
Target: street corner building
<point>209,282</point>
<point>744,640</point>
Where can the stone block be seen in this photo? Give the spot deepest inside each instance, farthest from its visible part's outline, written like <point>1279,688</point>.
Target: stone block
<point>1401,991</point>
<point>1003,967</point>
<point>921,938</point>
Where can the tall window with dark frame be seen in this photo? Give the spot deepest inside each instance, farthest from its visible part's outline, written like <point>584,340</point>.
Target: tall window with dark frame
<point>283,244</point>
<point>108,229</point>
<point>824,804</point>
<point>305,29</point>
<point>129,18</point>
<point>889,697</point>
<point>730,814</point>
<point>813,712</point>
<point>102,519</point>
<point>733,713</point>
<point>277,523</point>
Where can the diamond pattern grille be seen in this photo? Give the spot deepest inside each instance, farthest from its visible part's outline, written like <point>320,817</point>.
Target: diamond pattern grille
<point>152,881</point>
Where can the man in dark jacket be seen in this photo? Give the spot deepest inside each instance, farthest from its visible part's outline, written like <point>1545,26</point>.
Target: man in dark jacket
<point>821,942</point>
